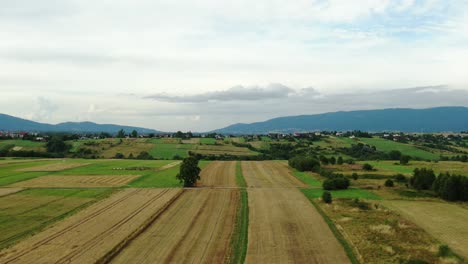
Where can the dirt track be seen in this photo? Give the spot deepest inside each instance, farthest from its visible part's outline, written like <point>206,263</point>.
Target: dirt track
<point>284,227</point>
<point>92,233</point>
<point>196,228</point>
<point>269,174</point>
<point>77,181</point>
<point>219,174</point>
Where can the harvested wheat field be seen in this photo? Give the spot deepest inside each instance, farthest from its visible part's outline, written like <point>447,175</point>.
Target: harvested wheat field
<point>77,181</point>
<point>446,222</point>
<point>219,174</point>
<point>196,228</point>
<point>269,174</point>
<point>92,234</point>
<point>54,167</point>
<point>7,191</point>
<point>284,227</point>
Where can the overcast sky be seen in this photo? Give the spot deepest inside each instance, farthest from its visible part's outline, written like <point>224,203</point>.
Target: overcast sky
<point>204,64</point>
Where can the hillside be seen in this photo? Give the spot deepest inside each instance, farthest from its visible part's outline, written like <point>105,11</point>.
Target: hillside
<point>438,119</point>
<point>11,123</point>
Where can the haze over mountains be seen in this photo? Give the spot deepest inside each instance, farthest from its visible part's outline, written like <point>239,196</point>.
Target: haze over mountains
<point>439,119</point>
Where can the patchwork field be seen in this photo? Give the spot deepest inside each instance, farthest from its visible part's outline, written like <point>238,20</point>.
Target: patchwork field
<point>7,191</point>
<point>196,228</point>
<point>55,167</point>
<point>95,232</point>
<point>447,222</point>
<point>77,181</point>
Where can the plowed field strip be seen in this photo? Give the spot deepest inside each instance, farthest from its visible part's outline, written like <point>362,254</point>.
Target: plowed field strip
<point>218,174</point>
<point>92,233</point>
<point>7,191</point>
<point>267,174</point>
<point>196,228</point>
<point>285,228</point>
<point>77,181</point>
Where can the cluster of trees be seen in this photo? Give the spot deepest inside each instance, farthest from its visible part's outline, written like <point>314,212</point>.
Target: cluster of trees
<point>367,152</point>
<point>332,160</point>
<point>337,182</point>
<point>142,156</point>
<point>447,186</point>
<point>451,187</point>
<point>302,163</point>
<point>462,158</point>
<point>121,134</point>
<point>357,133</point>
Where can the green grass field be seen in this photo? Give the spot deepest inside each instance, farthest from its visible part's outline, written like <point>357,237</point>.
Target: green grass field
<point>208,141</point>
<point>30,211</point>
<point>307,178</point>
<point>348,193</point>
<point>406,149</point>
<point>168,151</point>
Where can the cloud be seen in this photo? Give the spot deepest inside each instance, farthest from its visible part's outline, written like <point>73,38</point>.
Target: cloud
<point>44,109</point>
<point>236,93</point>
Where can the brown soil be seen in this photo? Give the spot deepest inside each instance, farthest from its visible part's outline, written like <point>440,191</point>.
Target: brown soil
<point>218,174</point>
<point>269,174</point>
<point>94,232</point>
<point>77,181</point>
<point>196,228</point>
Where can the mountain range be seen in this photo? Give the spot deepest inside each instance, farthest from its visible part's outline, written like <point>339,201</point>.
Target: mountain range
<point>438,119</point>
<point>11,123</point>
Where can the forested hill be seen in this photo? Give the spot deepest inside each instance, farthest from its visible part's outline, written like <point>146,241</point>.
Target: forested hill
<point>11,123</point>
<point>439,119</point>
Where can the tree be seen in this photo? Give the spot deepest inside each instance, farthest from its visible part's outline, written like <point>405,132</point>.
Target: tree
<point>394,155</point>
<point>121,133</point>
<point>324,160</point>
<point>57,145</point>
<point>340,160</point>
<point>355,176</point>
<point>422,179</point>
<point>327,197</point>
<point>367,167</point>
<point>134,134</point>
<point>189,172</point>
<point>119,156</point>
<point>301,163</point>
<point>389,183</point>
<point>332,160</point>
<point>404,159</point>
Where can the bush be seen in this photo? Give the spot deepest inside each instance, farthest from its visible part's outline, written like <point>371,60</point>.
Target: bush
<point>404,159</point>
<point>355,176</point>
<point>119,156</point>
<point>367,167</point>
<point>304,163</point>
<point>389,183</point>
<point>327,197</point>
<point>400,178</point>
<point>144,156</point>
<point>338,182</point>
<point>422,179</point>
<point>444,251</point>
<point>340,160</point>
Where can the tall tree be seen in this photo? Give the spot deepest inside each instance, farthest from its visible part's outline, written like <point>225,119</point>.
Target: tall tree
<point>189,172</point>
<point>121,133</point>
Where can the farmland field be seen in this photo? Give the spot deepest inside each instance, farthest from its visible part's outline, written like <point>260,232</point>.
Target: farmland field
<point>219,174</point>
<point>91,234</point>
<point>283,226</point>
<point>196,228</point>
<point>77,181</point>
<point>407,149</point>
<point>447,222</point>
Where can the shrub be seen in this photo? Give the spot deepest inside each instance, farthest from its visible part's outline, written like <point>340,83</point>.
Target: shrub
<point>119,156</point>
<point>337,182</point>
<point>304,163</point>
<point>340,160</point>
<point>327,197</point>
<point>422,179</point>
<point>367,167</point>
<point>444,250</point>
<point>389,183</point>
<point>404,159</point>
<point>355,176</point>
<point>400,178</point>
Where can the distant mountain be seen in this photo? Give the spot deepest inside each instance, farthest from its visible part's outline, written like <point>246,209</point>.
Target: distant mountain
<point>439,119</point>
<point>11,123</point>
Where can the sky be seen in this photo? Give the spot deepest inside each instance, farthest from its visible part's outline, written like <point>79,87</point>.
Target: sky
<point>200,65</point>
